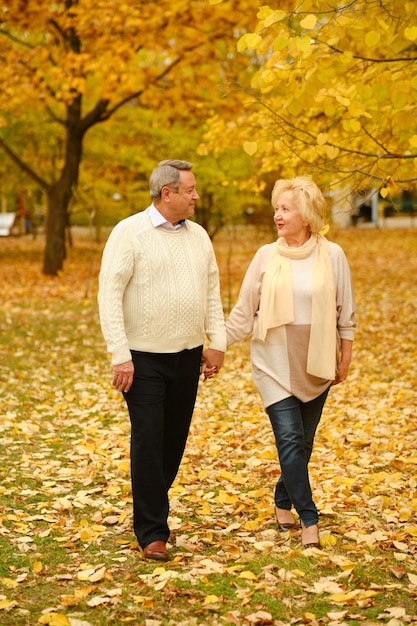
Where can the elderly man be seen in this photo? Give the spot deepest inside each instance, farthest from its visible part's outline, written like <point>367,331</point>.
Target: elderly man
<point>159,302</point>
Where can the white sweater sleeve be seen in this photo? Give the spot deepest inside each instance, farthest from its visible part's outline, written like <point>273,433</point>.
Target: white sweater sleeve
<point>214,320</point>
<point>115,273</point>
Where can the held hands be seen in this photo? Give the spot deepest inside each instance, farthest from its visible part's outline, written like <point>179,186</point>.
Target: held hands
<point>123,376</point>
<point>211,363</point>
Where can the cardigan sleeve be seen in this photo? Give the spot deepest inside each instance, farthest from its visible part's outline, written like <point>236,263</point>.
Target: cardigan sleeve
<point>241,320</point>
<point>345,305</point>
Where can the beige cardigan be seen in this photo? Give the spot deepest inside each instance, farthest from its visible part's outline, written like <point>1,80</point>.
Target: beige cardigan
<point>279,363</point>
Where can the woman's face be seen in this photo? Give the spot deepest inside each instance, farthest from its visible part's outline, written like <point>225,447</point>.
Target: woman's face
<point>288,220</point>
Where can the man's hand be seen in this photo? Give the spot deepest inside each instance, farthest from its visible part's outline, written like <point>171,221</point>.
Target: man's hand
<point>123,376</point>
<point>212,361</point>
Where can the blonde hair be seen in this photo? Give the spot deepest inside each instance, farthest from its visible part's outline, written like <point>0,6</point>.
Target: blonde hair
<point>308,197</point>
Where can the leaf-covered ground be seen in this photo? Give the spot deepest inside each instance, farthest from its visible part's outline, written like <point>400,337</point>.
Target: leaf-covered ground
<point>68,555</point>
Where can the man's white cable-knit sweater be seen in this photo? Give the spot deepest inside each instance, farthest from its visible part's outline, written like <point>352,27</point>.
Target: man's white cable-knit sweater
<point>159,290</point>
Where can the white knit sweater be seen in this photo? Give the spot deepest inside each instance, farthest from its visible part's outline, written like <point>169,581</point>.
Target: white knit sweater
<point>159,290</point>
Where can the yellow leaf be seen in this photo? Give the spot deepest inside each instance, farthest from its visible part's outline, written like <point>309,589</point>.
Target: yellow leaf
<point>139,599</point>
<point>342,598</point>
<point>303,44</point>
<point>215,1</point>
<point>69,600</point>
<point>298,573</point>
<point>251,525</point>
<point>413,141</point>
<point>372,38</point>
<point>248,575</point>
<point>124,466</point>
<point>227,498</point>
<point>332,152</point>
<point>9,583</point>
<point>253,40</point>
<point>7,604</point>
<point>411,33</point>
<point>384,192</point>
<point>355,125</point>
<point>267,454</point>
<point>242,44</point>
<point>250,147</point>
<point>274,17</point>
<point>85,534</point>
<point>268,76</point>
<point>322,138</point>
<point>309,22</point>
<point>309,617</point>
<point>54,619</point>
<point>343,100</point>
<point>405,515</point>
<point>37,567</point>
<point>211,599</point>
<point>328,540</point>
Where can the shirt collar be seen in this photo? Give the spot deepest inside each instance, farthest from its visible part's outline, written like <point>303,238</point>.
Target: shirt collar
<point>158,220</point>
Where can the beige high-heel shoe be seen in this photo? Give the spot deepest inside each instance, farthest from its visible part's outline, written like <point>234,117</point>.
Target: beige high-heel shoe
<point>284,525</point>
<point>310,544</point>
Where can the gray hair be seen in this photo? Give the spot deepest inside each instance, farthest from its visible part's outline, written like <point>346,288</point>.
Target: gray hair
<point>166,173</point>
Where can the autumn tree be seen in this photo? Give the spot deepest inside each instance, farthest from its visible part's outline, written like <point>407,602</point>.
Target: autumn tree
<point>111,188</point>
<point>73,64</point>
<point>335,95</point>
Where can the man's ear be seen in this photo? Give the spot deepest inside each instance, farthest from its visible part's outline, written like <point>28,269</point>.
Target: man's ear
<point>165,194</point>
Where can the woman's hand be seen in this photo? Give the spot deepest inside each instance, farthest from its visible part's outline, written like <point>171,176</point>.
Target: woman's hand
<point>343,366</point>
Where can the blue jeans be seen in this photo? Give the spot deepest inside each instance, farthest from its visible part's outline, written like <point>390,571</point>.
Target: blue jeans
<point>294,424</point>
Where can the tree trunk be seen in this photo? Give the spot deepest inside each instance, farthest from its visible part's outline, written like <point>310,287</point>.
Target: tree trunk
<point>60,194</point>
<point>56,221</point>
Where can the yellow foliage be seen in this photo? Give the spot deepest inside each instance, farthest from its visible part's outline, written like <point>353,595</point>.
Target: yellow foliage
<point>353,80</point>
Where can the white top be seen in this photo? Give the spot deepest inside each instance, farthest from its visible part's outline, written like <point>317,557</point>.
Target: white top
<point>159,289</point>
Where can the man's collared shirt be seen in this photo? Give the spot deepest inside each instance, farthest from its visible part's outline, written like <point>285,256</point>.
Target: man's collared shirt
<point>159,221</point>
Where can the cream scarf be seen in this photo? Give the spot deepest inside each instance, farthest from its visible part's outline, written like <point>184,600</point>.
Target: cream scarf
<point>277,302</point>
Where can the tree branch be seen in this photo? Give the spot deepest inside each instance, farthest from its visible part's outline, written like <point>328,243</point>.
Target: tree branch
<point>23,165</point>
<point>362,58</point>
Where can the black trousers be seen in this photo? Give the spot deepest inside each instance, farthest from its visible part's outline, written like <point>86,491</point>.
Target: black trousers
<point>161,403</point>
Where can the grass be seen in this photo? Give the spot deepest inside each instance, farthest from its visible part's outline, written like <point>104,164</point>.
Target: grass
<point>68,554</point>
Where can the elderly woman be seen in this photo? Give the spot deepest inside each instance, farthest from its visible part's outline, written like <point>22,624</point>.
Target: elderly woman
<point>296,299</point>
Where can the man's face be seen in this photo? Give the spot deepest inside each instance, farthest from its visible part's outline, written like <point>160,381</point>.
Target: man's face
<point>181,203</point>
